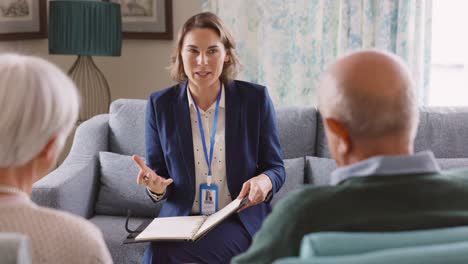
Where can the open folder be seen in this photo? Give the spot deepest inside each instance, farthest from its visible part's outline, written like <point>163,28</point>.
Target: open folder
<point>186,228</point>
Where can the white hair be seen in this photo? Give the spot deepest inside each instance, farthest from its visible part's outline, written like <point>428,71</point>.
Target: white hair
<point>371,115</point>
<point>37,103</point>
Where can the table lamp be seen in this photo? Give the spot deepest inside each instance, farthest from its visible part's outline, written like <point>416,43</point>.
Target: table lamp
<point>86,28</point>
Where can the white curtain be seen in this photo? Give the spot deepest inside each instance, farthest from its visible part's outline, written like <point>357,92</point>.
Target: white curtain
<point>286,44</point>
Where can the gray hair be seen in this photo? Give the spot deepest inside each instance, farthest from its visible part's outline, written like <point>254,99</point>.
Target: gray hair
<point>372,114</point>
<point>37,102</point>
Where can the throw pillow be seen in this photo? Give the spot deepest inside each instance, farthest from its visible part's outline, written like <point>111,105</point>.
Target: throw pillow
<point>119,190</point>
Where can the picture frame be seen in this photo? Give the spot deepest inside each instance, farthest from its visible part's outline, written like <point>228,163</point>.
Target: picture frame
<point>23,19</point>
<point>146,19</point>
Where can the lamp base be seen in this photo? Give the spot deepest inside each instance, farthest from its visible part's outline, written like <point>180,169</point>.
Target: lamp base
<point>93,87</point>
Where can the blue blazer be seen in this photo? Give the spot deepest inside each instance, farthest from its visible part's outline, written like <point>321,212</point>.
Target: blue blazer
<point>252,146</point>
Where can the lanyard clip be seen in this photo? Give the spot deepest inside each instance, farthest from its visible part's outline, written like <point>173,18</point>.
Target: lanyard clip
<point>209,179</point>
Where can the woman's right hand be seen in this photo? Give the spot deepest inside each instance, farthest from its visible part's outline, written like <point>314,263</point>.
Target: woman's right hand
<point>147,177</point>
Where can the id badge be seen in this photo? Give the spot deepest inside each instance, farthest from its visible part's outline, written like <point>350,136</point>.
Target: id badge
<point>208,199</point>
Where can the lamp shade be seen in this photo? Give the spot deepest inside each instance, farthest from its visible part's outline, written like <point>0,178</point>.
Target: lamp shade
<point>88,28</point>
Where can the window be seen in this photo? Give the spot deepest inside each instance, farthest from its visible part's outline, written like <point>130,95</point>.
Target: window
<point>449,70</point>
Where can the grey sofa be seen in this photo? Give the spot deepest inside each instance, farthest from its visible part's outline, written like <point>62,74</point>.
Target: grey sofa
<point>98,178</point>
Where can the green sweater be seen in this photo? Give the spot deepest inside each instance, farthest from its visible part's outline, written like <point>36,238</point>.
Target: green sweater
<point>375,203</point>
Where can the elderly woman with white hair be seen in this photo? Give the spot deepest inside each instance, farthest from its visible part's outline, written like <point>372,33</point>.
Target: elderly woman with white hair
<point>38,107</point>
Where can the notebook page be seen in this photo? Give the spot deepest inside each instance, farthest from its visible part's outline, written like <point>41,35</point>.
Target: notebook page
<point>218,216</point>
<point>172,228</point>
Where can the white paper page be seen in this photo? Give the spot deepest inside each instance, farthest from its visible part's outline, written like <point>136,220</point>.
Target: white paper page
<point>166,228</point>
<point>218,216</point>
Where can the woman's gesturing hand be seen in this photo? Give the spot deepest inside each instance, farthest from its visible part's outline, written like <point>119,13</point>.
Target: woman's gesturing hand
<point>256,189</point>
<point>147,177</point>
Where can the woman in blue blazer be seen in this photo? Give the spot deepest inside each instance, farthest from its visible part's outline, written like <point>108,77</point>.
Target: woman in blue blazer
<point>210,132</point>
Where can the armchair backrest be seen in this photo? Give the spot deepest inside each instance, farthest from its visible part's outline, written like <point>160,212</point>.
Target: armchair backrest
<point>444,245</point>
<point>323,244</point>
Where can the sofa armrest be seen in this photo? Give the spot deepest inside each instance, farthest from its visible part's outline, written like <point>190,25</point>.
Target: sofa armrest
<point>91,137</point>
<point>73,185</point>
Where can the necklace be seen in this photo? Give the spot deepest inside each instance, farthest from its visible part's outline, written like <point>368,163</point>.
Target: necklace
<point>12,190</point>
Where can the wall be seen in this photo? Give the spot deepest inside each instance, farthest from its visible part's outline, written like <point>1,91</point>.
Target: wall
<point>139,71</point>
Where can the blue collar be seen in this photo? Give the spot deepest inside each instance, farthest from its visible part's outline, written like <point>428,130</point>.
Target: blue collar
<point>422,162</point>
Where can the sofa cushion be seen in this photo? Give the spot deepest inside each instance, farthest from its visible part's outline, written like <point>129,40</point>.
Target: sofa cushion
<point>127,127</point>
<point>297,131</point>
<point>113,230</point>
<point>318,170</point>
<point>294,178</point>
<point>119,190</point>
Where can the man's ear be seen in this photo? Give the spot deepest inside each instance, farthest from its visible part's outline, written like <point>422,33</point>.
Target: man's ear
<point>340,131</point>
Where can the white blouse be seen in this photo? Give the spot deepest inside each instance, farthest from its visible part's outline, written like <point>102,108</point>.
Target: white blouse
<point>218,165</point>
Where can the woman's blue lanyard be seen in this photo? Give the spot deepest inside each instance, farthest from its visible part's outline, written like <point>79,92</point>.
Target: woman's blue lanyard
<point>202,134</point>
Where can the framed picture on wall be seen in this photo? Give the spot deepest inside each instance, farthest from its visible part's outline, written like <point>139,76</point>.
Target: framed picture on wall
<point>23,19</point>
<point>146,19</point>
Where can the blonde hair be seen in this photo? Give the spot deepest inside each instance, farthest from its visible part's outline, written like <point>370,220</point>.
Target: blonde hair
<point>37,102</point>
<point>210,21</point>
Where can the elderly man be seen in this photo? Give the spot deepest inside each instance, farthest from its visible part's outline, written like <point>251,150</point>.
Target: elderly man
<point>370,114</point>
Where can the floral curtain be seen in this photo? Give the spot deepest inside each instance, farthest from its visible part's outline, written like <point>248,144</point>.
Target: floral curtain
<point>286,44</point>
